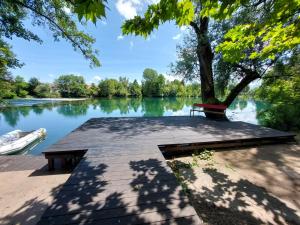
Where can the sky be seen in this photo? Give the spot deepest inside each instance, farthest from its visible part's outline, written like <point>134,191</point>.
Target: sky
<point>119,55</point>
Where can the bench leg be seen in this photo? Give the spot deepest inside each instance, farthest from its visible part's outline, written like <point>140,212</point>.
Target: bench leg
<point>50,164</point>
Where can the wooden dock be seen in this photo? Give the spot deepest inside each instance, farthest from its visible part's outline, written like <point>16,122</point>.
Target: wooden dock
<point>123,177</point>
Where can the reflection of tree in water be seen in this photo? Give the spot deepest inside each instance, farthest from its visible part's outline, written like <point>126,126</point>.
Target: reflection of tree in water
<point>12,114</point>
<point>242,104</point>
<point>108,105</point>
<point>191,101</point>
<point>135,103</point>
<point>174,104</point>
<point>153,107</point>
<point>150,106</point>
<point>74,109</point>
<point>38,109</point>
<point>123,105</point>
<point>234,105</point>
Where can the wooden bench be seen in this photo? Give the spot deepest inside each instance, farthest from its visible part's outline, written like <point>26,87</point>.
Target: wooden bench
<point>216,109</point>
<point>68,156</point>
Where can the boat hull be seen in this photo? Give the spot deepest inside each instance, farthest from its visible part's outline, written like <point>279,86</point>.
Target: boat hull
<point>21,143</point>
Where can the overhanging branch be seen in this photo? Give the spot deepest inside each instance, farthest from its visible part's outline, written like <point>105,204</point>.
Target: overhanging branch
<point>76,44</point>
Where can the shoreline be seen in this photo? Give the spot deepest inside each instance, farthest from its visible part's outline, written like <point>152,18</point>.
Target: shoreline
<point>10,102</point>
<point>51,99</point>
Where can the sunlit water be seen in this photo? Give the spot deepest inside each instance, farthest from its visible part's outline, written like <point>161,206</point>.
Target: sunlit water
<point>59,118</point>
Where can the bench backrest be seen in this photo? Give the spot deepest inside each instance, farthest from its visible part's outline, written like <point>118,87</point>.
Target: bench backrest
<point>210,106</point>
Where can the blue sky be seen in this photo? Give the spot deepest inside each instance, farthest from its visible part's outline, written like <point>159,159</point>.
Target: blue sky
<point>119,55</point>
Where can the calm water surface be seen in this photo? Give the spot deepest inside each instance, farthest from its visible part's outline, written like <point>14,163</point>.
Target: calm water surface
<point>59,118</point>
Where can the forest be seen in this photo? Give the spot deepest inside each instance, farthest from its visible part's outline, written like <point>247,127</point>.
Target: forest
<point>74,86</point>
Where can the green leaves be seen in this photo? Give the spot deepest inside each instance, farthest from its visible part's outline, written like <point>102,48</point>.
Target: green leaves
<point>180,11</point>
<point>91,10</point>
<point>274,30</point>
<point>57,16</point>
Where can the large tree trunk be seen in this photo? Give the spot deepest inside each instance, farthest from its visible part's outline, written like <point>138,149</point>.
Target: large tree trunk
<point>205,58</point>
<point>250,76</point>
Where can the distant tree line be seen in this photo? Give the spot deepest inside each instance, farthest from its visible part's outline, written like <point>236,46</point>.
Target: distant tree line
<point>73,86</point>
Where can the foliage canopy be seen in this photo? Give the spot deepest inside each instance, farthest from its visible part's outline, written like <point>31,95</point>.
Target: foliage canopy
<point>277,24</point>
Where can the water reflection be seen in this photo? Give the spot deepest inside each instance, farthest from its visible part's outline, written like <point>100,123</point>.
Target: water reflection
<point>119,107</point>
<point>245,110</point>
<point>73,109</point>
<point>52,115</point>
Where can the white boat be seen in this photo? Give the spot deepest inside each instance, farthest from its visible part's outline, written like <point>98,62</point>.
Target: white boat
<point>17,140</point>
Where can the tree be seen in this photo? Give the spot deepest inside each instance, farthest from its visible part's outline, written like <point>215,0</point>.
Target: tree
<point>42,91</point>
<point>135,89</point>
<point>108,87</point>
<point>57,15</point>
<point>153,84</point>
<point>93,91</point>
<point>20,87</point>
<point>7,60</point>
<point>175,88</point>
<point>281,89</point>
<point>32,84</point>
<point>243,44</point>
<point>122,87</point>
<point>71,86</point>
<point>193,90</point>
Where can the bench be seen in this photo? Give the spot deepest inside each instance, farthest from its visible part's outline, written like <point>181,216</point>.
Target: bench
<point>216,109</point>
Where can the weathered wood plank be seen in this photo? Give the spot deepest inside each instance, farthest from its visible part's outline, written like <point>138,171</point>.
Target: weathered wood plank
<point>132,214</point>
<point>123,177</point>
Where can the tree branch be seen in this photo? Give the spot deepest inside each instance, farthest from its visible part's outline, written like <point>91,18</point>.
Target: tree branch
<point>195,27</point>
<point>56,25</point>
<point>246,80</point>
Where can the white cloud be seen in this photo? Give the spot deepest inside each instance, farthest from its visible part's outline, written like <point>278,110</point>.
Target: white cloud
<point>151,37</point>
<point>131,44</point>
<point>67,10</point>
<point>170,78</point>
<point>97,78</point>
<point>128,8</point>
<point>176,37</point>
<point>183,28</point>
<point>103,22</point>
<point>120,37</point>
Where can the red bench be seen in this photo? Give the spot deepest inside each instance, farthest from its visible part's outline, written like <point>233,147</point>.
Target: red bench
<point>217,109</point>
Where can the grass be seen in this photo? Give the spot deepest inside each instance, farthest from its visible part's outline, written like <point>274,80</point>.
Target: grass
<point>177,166</point>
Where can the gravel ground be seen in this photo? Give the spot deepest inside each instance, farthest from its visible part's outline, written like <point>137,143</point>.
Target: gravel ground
<point>258,185</point>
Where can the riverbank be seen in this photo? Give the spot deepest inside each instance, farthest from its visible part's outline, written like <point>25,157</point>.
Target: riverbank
<point>33,101</point>
<point>258,185</point>
<point>54,99</point>
<point>26,189</point>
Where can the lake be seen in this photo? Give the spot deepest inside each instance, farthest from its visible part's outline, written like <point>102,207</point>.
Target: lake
<point>59,118</point>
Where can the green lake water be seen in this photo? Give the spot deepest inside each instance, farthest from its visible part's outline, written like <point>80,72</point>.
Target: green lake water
<point>60,118</point>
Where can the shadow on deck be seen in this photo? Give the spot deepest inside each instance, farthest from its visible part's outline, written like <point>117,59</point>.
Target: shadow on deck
<point>124,179</point>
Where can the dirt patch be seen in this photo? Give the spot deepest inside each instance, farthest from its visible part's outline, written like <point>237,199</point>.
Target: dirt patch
<point>258,185</point>
<point>24,197</point>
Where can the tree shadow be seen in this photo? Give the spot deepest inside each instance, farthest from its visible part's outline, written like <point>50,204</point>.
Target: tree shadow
<point>276,163</point>
<point>98,193</point>
<point>178,127</point>
<point>230,202</point>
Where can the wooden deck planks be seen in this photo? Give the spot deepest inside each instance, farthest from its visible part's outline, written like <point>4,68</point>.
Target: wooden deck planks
<point>21,162</point>
<point>123,177</point>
